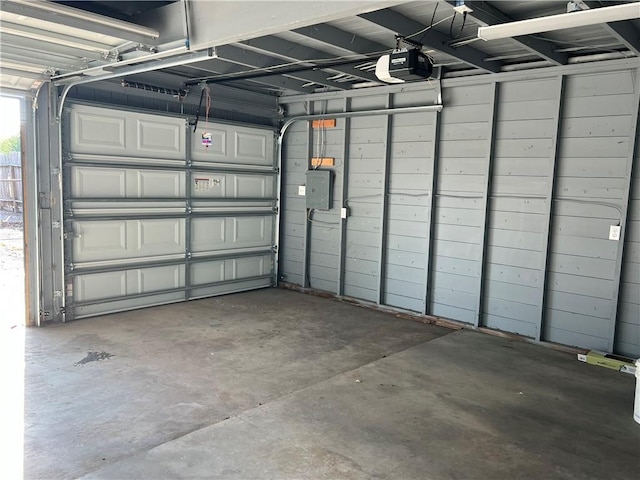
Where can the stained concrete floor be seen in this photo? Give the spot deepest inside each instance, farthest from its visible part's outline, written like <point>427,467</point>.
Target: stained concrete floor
<point>277,384</point>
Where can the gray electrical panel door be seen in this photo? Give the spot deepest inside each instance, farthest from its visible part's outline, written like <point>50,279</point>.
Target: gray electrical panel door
<point>153,216</point>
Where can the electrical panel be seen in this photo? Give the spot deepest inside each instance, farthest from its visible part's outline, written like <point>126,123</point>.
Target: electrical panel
<point>318,189</point>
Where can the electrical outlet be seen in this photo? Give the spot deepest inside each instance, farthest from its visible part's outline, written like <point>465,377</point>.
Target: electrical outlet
<point>344,212</point>
<point>302,190</point>
<point>614,232</point>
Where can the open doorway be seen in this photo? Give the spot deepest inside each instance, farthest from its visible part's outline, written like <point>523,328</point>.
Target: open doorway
<point>11,216</point>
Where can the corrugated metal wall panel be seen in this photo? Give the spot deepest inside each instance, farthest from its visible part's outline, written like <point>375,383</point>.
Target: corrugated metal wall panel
<point>581,284</point>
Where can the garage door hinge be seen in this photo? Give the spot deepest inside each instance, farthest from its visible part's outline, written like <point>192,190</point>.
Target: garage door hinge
<point>55,224</point>
<point>57,294</point>
<point>55,170</point>
<point>274,248</point>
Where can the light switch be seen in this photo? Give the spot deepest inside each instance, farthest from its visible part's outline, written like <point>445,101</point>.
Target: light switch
<point>302,190</point>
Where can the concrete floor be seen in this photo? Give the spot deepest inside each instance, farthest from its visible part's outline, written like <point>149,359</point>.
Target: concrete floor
<point>277,384</point>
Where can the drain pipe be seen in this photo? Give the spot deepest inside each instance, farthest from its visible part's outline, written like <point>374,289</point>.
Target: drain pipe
<point>292,120</point>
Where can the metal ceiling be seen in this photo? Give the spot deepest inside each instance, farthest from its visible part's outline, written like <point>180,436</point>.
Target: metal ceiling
<point>38,42</point>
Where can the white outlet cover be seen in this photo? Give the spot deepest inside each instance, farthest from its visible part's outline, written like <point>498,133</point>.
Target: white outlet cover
<point>302,190</point>
<point>614,232</point>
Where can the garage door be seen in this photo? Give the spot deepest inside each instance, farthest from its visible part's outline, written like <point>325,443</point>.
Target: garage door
<point>153,216</point>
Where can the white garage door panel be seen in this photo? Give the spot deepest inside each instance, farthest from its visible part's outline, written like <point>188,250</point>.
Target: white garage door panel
<point>207,272</point>
<point>133,199</point>
<point>228,233</point>
<point>250,266</point>
<point>93,182</point>
<point>114,132</point>
<point>127,239</point>
<point>90,182</point>
<point>231,185</point>
<point>128,304</point>
<point>98,286</point>
<point>233,145</point>
<point>240,286</point>
<point>98,132</point>
<point>203,273</point>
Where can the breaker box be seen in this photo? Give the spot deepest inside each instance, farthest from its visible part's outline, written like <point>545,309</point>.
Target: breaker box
<point>319,188</point>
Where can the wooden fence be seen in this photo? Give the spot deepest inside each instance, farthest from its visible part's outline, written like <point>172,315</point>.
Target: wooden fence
<point>10,182</point>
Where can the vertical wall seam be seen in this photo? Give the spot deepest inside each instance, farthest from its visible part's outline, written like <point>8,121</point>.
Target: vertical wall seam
<point>486,204</point>
<point>382,258</point>
<point>346,138</point>
<point>435,139</point>
<point>633,147</point>
<point>550,194</point>
<point>306,253</point>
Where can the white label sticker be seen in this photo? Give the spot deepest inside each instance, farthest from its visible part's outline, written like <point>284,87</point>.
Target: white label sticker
<point>207,139</point>
<point>202,184</point>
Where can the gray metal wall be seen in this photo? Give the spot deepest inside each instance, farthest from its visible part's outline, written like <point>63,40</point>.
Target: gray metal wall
<point>530,172</point>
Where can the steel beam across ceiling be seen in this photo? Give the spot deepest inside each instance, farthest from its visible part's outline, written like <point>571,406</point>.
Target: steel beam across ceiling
<point>291,51</point>
<point>254,60</point>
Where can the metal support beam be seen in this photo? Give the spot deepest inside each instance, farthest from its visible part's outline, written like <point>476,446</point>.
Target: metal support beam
<point>625,32</point>
<point>435,140</point>
<point>634,148</point>
<point>344,183</point>
<point>485,14</point>
<point>402,25</point>
<point>550,194</point>
<point>306,251</point>
<point>486,202</point>
<point>386,172</point>
<point>188,217</point>
<point>49,207</point>
<point>294,52</point>
<point>216,70</point>
<point>255,60</point>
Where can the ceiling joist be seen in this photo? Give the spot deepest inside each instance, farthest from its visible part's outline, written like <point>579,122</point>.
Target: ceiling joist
<point>398,23</point>
<point>294,52</point>
<point>485,14</point>
<point>623,31</point>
